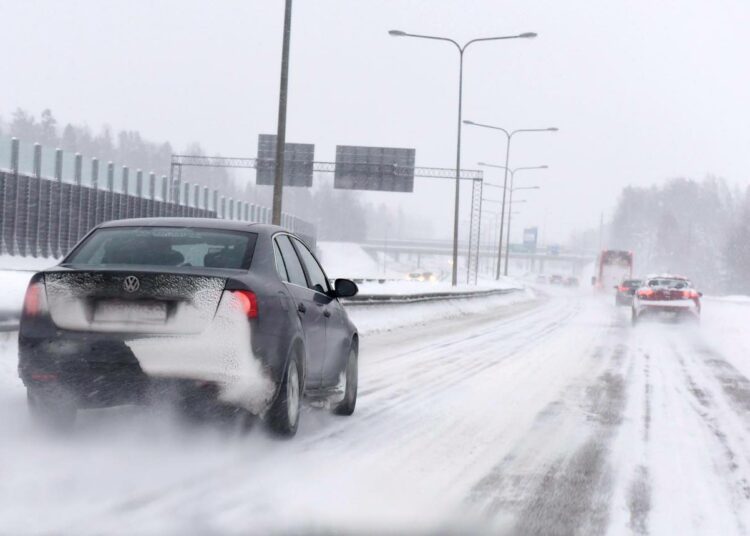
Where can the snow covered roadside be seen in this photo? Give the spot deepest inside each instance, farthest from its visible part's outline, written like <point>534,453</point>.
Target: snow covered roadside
<point>15,273</point>
<point>12,289</point>
<point>10,262</point>
<point>407,288</point>
<point>728,318</point>
<point>373,318</point>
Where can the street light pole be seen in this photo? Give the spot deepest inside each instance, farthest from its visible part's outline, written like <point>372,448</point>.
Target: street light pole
<point>502,208</point>
<point>509,136</point>
<point>461,49</point>
<point>278,180</point>
<point>511,189</point>
<point>506,190</point>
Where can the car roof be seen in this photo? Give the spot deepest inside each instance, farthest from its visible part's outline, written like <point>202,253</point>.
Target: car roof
<point>208,223</point>
<point>667,276</point>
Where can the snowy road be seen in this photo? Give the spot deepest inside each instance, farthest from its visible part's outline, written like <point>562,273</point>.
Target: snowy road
<point>546,417</point>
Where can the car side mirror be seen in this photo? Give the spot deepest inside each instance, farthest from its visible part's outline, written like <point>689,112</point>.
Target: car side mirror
<point>345,288</point>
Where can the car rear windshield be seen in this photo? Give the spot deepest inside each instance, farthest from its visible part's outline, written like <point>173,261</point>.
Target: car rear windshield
<point>669,283</point>
<point>166,246</point>
<point>631,283</point>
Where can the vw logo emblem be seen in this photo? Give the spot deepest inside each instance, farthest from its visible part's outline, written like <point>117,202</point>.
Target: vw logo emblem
<point>131,284</point>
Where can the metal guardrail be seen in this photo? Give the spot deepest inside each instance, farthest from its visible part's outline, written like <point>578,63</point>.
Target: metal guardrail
<point>9,320</point>
<point>394,299</point>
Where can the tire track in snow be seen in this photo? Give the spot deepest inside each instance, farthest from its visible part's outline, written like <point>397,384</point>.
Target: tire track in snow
<point>554,492</point>
<point>430,368</point>
<point>639,491</point>
<point>434,372</point>
<point>574,495</point>
<point>691,474</point>
<point>710,412</point>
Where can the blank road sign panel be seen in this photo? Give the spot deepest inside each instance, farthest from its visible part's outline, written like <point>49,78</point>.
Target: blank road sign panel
<point>298,162</point>
<point>382,169</point>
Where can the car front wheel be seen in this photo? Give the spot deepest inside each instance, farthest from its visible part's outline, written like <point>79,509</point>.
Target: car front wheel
<point>351,379</point>
<point>283,417</point>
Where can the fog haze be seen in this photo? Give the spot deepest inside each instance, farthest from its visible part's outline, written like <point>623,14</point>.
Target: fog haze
<point>641,91</point>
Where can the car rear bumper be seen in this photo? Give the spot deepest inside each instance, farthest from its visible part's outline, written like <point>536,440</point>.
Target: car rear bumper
<point>102,370</point>
<point>675,307</point>
<point>624,299</point>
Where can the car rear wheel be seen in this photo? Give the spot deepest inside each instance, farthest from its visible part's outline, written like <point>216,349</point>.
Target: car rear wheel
<point>351,379</point>
<point>633,316</point>
<point>52,409</point>
<point>283,417</point>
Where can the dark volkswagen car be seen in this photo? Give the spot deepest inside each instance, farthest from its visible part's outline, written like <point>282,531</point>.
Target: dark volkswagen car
<point>239,314</point>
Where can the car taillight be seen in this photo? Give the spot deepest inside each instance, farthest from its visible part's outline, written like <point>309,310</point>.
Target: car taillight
<point>645,293</point>
<point>247,301</point>
<point>35,302</point>
<point>690,294</point>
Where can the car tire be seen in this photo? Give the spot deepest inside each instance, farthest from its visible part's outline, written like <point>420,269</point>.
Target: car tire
<point>52,409</point>
<point>351,375</point>
<point>283,416</point>
<point>633,317</point>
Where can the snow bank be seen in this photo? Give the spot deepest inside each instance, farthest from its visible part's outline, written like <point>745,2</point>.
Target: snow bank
<point>737,298</point>
<point>12,289</point>
<point>11,262</point>
<point>373,318</point>
<point>407,288</point>
<point>15,273</point>
<point>349,260</point>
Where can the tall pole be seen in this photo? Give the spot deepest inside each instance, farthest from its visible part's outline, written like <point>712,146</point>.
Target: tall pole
<point>461,49</point>
<point>278,182</point>
<point>510,213</point>
<point>479,240</point>
<point>509,136</point>
<point>454,274</point>
<point>502,208</point>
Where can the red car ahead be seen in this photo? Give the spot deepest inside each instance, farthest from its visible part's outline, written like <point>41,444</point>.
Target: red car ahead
<point>667,296</point>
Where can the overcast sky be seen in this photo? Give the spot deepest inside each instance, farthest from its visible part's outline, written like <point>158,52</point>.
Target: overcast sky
<point>641,90</point>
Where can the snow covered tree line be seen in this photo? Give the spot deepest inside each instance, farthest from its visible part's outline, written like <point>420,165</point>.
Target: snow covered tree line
<point>126,147</point>
<point>338,214</point>
<point>700,229</point>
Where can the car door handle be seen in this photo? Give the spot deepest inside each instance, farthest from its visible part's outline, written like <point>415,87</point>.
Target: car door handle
<point>327,313</point>
<point>301,307</point>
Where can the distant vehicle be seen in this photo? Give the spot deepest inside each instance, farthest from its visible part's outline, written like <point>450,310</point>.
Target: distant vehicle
<point>556,279</point>
<point>667,296</point>
<point>230,316</point>
<point>625,291</point>
<point>614,266</point>
<point>422,276</point>
<point>572,281</point>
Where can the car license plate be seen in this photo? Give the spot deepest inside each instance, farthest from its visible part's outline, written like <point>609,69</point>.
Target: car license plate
<point>151,312</point>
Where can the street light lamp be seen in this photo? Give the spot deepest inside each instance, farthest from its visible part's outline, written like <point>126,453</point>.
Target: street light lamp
<point>509,135</point>
<point>511,190</point>
<point>461,49</point>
